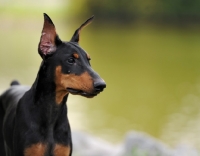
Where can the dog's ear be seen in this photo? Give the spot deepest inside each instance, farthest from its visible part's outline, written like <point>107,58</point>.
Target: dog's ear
<point>75,37</point>
<point>49,39</point>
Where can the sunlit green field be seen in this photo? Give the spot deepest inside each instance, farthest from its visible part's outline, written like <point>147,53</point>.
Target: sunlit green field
<point>152,75</point>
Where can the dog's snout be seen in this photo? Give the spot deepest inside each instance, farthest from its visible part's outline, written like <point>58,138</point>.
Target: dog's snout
<point>99,85</point>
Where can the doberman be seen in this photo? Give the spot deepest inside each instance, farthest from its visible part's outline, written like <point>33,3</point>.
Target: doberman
<point>34,120</point>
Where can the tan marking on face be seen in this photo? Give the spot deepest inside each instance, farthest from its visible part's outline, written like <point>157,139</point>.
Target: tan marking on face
<point>82,82</point>
<point>61,150</point>
<point>60,90</point>
<point>76,55</point>
<point>35,150</point>
<point>88,56</point>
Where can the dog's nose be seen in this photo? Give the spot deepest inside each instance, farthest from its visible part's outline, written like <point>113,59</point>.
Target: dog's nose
<point>99,86</point>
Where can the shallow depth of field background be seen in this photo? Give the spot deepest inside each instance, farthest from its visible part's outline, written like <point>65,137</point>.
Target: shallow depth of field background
<point>147,52</point>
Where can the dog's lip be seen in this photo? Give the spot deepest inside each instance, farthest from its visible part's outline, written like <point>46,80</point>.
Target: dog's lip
<point>75,91</point>
<point>81,92</point>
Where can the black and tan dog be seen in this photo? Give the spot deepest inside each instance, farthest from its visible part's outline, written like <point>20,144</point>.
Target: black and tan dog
<point>34,120</point>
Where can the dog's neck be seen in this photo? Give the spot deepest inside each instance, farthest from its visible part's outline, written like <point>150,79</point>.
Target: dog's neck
<point>44,96</point>
<point>45,87</point>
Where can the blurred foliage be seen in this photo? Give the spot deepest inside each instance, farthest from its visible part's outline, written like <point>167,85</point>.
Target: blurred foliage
<point>135,10</point>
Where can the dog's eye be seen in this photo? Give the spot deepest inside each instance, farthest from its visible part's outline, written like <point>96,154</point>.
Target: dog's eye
<point>71,60</point>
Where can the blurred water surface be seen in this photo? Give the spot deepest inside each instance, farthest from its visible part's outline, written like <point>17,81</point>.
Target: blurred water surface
<point>152,75</point>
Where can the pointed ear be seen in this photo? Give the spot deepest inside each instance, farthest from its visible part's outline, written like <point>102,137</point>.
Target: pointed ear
<point>75,37</point>
<point>48,39</point>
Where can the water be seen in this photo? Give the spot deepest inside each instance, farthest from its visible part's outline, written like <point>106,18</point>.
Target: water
<point>152,76</point>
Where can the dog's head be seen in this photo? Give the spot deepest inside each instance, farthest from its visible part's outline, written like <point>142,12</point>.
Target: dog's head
<point>73,73</point>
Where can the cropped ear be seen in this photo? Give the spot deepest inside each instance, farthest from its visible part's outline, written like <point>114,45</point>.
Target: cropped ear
<point>75,37</point>
<point>49,38</point>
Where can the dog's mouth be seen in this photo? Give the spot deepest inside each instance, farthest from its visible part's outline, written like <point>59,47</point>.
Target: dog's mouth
<point>81,92</point>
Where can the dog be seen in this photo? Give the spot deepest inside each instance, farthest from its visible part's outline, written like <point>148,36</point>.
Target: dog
<point>34,119</point>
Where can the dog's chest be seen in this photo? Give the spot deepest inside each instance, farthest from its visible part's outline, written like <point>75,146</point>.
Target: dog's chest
<point>52,135</point>
<point>43,149</point>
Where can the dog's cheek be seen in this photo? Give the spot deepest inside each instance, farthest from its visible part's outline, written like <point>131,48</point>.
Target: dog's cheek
<point>82,82</point>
